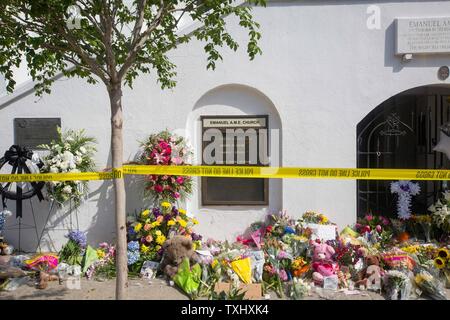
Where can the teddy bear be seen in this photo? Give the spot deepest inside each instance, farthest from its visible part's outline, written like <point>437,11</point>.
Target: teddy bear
<point>175,250</point>
<point>371,275</point>
<point>323,264</point>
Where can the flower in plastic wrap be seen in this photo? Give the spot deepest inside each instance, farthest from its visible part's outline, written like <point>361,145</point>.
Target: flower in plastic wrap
<point>430,285</point>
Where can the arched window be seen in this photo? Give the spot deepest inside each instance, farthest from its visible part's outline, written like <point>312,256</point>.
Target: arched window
<point>401,133</point>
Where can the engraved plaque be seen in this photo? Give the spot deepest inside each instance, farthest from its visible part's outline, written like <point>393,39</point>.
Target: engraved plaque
<point>31,132</point>
<point>423,35</point>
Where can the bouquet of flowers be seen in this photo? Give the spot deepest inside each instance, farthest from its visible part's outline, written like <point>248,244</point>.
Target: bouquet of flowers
<point>166,149</point>
<point>105,265</point>
<point>430,285</point>
<point>72,252</point>
<point>425,221</point>
<point>280,224</point>
<point>72,153</point>
<point>314,217</point>
<point>442,262</point>
<point>150,229</point>
<point>299,289</point>
<point>397,285</point>
<point>374,228</point>
<point>440,215</point>
<point>346,254</point>
<point>299,267</point>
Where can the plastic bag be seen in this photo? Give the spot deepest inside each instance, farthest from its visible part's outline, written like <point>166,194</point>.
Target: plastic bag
<point>257,260</point>
<point>90,257</point>
<point>188,279</point>
<point>243,269</point>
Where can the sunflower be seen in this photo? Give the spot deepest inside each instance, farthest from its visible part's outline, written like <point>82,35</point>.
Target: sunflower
<point>443,253</point>
<point>439,263</point>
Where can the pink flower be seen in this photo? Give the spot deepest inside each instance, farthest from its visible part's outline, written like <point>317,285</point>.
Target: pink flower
<point>369,217</point>
<point>385,221</point>
<point>176,195</point>
<point>180,180</point>
<point>159,188</point>
<point>283,275</point>
<point>365,229</point>
<point>378,228</point>
<point>177,161</point>
<point>165,177</point>
<point>163,145</point>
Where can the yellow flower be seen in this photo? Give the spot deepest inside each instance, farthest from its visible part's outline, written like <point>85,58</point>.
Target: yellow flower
<point>144,248</point>
<point>100,253</point>
<point>160,239</point>
<point>158,247</point>
<point>214,263</point>
<point>182,211</point>
<point>443,253</point>
<point>145,213</point>
<point>166,204</point>
<point>138,227</point>
<point>195,221</point>
<point>156,224</point>
<point>182,223</point>
<point>170,223</point>
<point>421,277</point>
<point>439,263</point>
<point>158,232</point>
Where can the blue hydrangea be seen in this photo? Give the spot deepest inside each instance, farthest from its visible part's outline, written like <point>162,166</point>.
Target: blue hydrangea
<point>133,246</point>
<point>133,257</point>
<point>78,237</point>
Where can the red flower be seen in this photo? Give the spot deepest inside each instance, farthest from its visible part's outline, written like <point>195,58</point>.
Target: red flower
<point>180,180</point>
<point>159,188</point>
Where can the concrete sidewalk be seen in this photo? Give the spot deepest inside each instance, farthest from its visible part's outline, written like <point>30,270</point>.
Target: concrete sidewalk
<point>138,289</point>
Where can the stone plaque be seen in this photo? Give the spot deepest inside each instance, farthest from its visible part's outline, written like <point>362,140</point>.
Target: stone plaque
<point>31,132</point>
<point>423,35</point>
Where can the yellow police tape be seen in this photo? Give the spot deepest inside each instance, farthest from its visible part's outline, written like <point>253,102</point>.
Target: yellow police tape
<point>239,172</point>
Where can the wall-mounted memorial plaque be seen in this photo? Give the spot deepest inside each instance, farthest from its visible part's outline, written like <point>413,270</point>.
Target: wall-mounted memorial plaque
<point>31,132</point>
<point>423,35</point>
<point>235,140</point>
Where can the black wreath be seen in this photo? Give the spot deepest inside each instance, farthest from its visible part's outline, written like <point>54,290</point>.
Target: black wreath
<point>17,157</point>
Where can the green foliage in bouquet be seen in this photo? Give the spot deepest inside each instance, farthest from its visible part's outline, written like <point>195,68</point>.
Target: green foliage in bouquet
<point>72,152</point>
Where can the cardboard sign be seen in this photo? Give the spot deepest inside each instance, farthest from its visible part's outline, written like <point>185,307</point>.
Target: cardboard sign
<point>322,232</point>
<point>253,291</point>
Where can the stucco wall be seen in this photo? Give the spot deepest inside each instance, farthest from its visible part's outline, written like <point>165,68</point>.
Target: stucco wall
<point>322,69</point>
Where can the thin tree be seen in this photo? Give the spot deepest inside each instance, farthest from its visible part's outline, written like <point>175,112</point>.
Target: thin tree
<point>114,41</point>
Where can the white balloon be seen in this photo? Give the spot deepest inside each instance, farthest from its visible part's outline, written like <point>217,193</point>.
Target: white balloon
<point>443,145</point>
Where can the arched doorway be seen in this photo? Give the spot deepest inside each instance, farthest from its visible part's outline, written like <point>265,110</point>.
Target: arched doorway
<point>226,221</point>
<point>401,133</point>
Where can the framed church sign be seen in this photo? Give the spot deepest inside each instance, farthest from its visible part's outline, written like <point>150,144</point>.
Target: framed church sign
<point>235,141</point>
<point>32,132</point>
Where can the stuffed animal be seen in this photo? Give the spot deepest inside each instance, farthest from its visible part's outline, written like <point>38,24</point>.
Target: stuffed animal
<point>323,264</point>
<point>175,250</point>
<point>371,275</point>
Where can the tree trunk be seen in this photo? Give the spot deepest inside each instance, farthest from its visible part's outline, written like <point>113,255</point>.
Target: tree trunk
<point>115,96</point>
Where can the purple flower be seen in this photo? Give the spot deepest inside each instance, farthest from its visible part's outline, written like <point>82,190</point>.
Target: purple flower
<point>156,212</point>
<point>78,237</point>
<point>196,237</point>
<point>282,255</point>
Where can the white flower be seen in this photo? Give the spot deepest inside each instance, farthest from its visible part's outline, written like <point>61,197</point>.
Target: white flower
<point>67,156</point>
<point>83,150</point>
<point>67,189</point>
<point>54,169</point>
<point>64,165</point>
<point>78,159</point>
<point>72,165</point>
<point>74,170</point>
